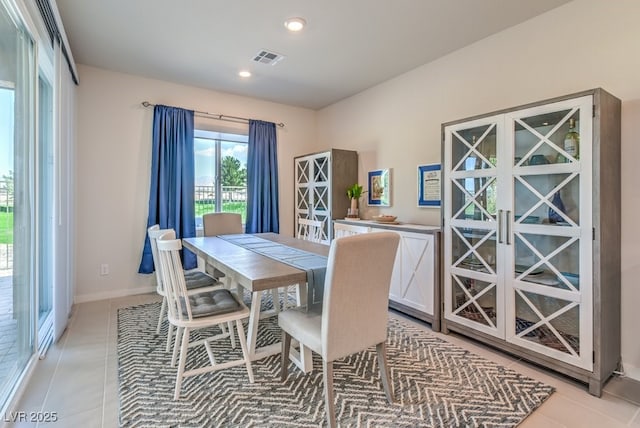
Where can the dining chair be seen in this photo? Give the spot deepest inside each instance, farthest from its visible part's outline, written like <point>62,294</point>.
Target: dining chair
<point>196,281</point>
<point>220,224</point>
<point>355,309</point>
<point>310,230</point>
<point>189,312</point>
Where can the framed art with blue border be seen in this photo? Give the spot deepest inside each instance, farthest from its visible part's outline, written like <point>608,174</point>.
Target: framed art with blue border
<point>429,185</point>
<point>380,188</point>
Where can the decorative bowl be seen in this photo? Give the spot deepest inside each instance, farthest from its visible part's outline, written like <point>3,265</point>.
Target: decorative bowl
<point>385,218</point>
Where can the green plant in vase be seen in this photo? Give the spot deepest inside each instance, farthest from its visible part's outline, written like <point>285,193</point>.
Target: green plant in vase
<point>354,193</point>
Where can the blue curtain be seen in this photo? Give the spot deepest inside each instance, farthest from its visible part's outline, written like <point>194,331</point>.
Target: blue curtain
<point>171,196</point>
<point>262,178</point>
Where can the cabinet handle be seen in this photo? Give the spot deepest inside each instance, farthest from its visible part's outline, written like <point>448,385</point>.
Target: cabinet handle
<point>508,227</point>
<point>500,226</point>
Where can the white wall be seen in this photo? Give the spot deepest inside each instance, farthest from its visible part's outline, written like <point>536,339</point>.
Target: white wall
<point>582,45</point>
<point>113,157</point>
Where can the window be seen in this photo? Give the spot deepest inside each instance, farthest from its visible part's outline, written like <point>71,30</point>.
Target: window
<point>220,173</point>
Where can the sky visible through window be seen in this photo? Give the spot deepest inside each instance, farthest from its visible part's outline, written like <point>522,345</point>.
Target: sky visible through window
<point>6,131</point>
<point>205,152</point>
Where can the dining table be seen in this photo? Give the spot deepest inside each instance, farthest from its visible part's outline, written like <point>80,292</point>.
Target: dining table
<point>247,269</point>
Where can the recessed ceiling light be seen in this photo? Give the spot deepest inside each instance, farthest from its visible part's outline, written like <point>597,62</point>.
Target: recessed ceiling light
<point>244,73</point>
<point>295,24</point>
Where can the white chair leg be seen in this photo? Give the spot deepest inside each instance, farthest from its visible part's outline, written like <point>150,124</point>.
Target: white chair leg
<point>381,350</point>
<point>327,376</point>
<point>169,336</point>
<point>183,360</point>
<point>163,309</point>
<point>176,346</point>
<point>245,349</point>
<point>232,335</point>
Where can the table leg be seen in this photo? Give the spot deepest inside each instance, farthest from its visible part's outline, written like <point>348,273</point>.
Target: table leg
<point>254,318</point>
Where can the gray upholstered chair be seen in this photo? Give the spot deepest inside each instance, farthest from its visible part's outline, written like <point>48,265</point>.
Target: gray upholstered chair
<point>354,314</point>
<point>196,281</point>
<point>220,224</point>
<point>189,312</point>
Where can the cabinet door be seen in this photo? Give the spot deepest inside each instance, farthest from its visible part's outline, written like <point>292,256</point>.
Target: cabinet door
<point>548,269</point>
<point>303,189</point>
<point>313,190</point>
<point>473,192</point>
<point>320,192</point>
<point>412,283</point>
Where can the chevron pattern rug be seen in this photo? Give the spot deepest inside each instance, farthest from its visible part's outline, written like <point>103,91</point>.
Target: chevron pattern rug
<point>436,384</point>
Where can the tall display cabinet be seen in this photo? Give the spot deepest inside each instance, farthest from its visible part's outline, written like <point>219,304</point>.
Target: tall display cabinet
<point>321,182</point>
<point>531,232</point>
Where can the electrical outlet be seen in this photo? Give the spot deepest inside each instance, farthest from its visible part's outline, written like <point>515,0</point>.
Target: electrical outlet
<point>104,269</point>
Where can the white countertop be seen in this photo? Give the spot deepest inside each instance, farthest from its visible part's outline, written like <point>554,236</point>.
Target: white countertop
<point>404,226</point>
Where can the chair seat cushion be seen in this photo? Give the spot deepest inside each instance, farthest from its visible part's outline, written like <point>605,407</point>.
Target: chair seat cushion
<point>198,279</point>
<point>304,326</point>
<point>216,302</point>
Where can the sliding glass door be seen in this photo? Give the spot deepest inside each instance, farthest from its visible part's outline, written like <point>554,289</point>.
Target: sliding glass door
<point>17,220</point>
<point>45,206</point>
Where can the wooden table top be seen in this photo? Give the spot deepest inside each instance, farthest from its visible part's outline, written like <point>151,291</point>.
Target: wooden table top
<point>253,271</point>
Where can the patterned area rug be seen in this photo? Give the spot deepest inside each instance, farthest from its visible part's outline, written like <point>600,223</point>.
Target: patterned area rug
<point>436,384</point>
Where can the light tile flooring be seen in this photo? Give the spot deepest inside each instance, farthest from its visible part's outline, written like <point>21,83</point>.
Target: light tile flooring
<point>78,379</point>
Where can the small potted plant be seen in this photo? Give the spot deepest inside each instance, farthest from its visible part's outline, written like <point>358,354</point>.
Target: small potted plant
<point>353,193</point>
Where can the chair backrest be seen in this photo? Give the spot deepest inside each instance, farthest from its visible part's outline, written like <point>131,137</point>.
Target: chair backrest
<point>355,305</point>
<point>310,230</point>
<point>154,232</point>
<point>170,267</point>
<point>222,224</point>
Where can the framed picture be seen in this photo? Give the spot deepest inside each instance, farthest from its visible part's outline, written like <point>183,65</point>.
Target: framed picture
<point>429,185</point>
<point>380,188</point>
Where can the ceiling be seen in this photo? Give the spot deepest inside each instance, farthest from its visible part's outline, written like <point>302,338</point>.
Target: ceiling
<point>346,47</point>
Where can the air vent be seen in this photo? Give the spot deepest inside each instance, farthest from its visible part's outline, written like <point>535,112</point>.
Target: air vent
<point>268,57</point>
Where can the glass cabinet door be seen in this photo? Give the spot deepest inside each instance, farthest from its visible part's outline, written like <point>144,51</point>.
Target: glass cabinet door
<point>313,195</point>
<point>548,287</point>
<point>472,287</point>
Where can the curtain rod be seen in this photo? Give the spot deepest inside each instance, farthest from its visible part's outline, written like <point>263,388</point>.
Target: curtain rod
<point>216,116</point>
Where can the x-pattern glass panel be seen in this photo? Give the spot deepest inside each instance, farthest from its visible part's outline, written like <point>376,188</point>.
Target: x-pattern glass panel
<point>540,138</point>
<point>474,148</point>
<point>474,249</point>
<point>303,172</point>
<point>321,169</point>
<point>474,300</point>
<point>543,197</point>
<point>547,260</point>
<point>303,198</point>
<point>548,321</point>
<point>321,198</point>
<point>475,198</point>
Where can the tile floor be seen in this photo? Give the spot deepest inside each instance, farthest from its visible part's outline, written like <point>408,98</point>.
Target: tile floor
<point>78,379</point>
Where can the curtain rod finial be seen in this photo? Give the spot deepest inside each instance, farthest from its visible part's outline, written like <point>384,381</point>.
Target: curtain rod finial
<point>146,103</point>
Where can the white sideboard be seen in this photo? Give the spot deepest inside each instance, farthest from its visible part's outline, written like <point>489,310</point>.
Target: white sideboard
<point>415,280</point>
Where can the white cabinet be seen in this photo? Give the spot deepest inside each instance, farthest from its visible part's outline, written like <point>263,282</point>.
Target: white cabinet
<point>321,182</point>
<point>526,218</point>
<point>415,279</point>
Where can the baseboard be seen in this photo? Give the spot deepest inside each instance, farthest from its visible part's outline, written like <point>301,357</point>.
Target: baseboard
<point>113,294</point>
<point>632,372</point>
